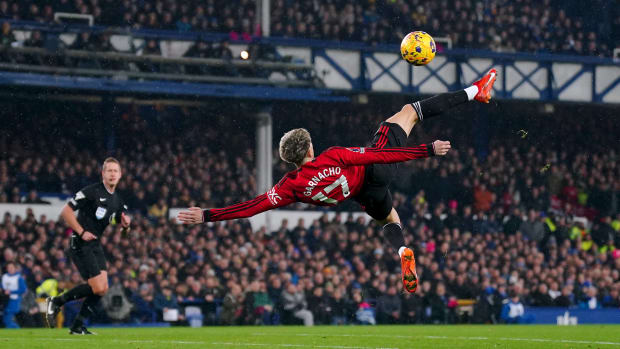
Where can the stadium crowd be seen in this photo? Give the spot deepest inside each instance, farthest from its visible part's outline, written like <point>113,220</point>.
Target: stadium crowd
<point>525,26</point>
<point>495,226</point>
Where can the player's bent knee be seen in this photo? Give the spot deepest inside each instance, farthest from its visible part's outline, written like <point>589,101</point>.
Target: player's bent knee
<point>407,108</point>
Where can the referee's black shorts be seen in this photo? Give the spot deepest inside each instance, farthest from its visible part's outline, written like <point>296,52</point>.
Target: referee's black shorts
<point>375,196</point>
<point>88,257</point>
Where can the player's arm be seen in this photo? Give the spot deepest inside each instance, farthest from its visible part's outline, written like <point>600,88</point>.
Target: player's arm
<point>80,200</point>
<point>274,198</point>
<point>365,156</point>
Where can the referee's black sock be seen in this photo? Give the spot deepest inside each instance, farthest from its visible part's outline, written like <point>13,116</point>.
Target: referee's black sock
<point>87,310</point>
<point>427,108</point>
<point>393,233</point>
<point>79,291</point>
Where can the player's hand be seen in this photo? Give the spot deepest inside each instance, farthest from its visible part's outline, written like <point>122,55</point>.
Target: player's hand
<point>193,215</point>
<point>125,220</point>
<point>441,147</point>
<point>88,236</point>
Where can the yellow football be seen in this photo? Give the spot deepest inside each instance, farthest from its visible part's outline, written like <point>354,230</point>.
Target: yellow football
<point>418,48</point>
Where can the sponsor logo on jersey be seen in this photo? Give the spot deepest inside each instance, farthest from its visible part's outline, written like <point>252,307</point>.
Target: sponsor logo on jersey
<point>273,196</point>
<point>79,196</point>
<point>102,199</point>
<point>100,213</point>
<point>357,150</point>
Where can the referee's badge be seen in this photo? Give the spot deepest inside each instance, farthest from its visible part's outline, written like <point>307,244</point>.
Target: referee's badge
<point>100,213</point>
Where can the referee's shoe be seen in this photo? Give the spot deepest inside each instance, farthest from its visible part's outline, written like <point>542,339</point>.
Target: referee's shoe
<point>51,311</point>
<point>80,331</point>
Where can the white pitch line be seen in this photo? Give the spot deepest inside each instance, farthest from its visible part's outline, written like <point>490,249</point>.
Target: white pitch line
<point>570,341</point>
<point>285,345</point>
<point>282,345</point>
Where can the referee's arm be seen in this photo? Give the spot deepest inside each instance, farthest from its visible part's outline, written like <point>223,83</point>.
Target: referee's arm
<point>68,214</point>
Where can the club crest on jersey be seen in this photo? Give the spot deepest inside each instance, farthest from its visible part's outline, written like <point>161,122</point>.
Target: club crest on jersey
<point>100,213</point>
<point>273,196</point>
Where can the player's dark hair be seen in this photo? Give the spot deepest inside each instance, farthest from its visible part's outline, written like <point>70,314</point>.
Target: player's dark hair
<point>110,160</point>
<point>294,145</point>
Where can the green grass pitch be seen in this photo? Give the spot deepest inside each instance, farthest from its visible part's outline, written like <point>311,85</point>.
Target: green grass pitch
<point>343,337</point>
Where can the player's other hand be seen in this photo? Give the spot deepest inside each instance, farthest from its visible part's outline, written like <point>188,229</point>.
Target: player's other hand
<point>441,147</point>
<point>125,220</point>
<point>88,236</point>
<point>193,215</point>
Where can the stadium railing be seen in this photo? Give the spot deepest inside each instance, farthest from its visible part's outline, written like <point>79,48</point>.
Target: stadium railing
<point>162,63</point>
<point>357,67</point>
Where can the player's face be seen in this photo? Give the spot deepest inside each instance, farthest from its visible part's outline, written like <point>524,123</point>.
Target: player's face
<point>111,173</point>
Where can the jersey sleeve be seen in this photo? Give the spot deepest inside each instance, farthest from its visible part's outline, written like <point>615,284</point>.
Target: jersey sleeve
<point>278,196</point>
<point>116,218</point>
<point>82,197</point>
<point>123,208</point>
<point>366,156</point>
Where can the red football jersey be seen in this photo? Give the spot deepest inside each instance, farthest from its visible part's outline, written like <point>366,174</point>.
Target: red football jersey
<point>332,177</point>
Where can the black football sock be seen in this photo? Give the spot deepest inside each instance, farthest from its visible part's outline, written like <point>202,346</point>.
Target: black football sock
<point>393,233</point>
<point>87,310</point>
<point>427,108</point>
<point>79,291</point>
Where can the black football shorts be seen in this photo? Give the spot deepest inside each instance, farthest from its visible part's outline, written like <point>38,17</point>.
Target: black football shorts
<point>375,196</point>
<point>88,257</point>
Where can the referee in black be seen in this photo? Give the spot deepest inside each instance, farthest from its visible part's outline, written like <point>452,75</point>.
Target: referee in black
<point>98,205</point>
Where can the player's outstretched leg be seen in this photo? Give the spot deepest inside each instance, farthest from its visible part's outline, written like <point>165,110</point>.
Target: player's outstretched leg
<point>410,114</point>
<point>393,233</point>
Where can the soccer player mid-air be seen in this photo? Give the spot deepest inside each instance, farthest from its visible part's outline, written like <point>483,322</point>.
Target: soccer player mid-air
<point>98,205</point>
<point>363,174</point>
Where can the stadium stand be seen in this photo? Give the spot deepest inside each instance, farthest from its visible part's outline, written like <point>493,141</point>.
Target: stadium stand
<point>548,26</point>
<point>490,222</point>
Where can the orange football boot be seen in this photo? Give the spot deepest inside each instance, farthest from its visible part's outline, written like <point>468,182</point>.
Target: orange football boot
<point>485,86</point>
<point>410,277</point>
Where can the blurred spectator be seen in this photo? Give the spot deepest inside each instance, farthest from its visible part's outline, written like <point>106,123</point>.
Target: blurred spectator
<point>33,198</point>
<point>14,286</point>
<point>259,305</point>
<point>232,307</point>
<point>142,299</point>
<point>158,210</point>
<point>435,303</point>
<point>294,304</point>
<point>590,299</point>
<point>213,293</point>
<point>200,49</point>
<point>513,311</point>
<point>164,302</point>
<point>533,228</point>
<point>7,38</point>
<point>389,307</point>
<point>363,313</point>
<point>566,299</point>
<point>29,315</point>
<point>541,297</point>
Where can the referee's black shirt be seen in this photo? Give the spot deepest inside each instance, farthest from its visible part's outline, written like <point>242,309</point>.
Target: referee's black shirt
<point>97,208</point>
